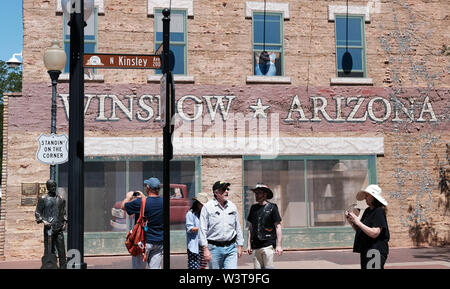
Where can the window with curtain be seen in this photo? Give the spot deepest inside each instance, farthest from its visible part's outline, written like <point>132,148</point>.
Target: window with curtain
<point>350,46</point>
<point>178,38</point>
<point>267,44</point>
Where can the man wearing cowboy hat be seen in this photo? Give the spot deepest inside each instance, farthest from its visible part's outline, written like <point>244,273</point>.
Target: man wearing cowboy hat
<point>264,230</point>
<point>372,231</point>
<point>220,231</point>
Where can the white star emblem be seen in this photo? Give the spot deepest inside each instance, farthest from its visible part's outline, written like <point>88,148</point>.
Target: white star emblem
<point>259,109</point>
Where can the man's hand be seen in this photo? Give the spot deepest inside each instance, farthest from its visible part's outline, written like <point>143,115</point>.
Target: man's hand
<point>128,198</point>
<point>249,249</point>
<point>141,194</point>
<point>240,250</point>
<point>194,229</point>
<point>206,254</point>
<point>278,251</point>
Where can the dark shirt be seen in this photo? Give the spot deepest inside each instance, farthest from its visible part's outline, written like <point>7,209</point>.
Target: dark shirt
<point>375,218</point>
<point>265,224</point>
<point>154,214</point>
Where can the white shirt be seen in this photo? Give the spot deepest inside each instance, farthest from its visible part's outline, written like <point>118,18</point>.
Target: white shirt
<point>219,223</point>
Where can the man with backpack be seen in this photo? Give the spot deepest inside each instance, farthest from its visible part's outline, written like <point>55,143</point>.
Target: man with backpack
<point>153,213</point>
<point>264,230</point>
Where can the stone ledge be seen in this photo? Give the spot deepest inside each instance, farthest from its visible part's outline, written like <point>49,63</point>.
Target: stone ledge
<point>97,3</point>
<point>270,7</point>
<point>351,81</point>
<point>236,146</point>
<point>352,10</point>
<point>177,78</point>
<point>268,79</point>
<point>64,77</point>
<point>180,4</point>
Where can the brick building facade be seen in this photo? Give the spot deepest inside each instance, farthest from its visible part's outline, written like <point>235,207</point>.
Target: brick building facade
<point>312,131</point>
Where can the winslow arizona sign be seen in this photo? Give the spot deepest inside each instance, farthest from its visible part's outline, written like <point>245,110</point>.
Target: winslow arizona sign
<point>312,109</point>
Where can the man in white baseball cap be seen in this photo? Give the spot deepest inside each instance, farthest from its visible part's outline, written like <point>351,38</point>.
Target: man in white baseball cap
<point>372,231</point>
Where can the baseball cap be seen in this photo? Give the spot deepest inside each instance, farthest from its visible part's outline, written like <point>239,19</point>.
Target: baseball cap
<point>153,183</point>
<point>219,185</point>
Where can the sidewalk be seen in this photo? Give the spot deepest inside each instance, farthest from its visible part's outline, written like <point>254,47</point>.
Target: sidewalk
<point>399,258</point>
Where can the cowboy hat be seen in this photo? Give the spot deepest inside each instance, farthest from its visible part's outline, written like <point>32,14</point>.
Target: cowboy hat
<point>265,189</point>
<point>375,191</point>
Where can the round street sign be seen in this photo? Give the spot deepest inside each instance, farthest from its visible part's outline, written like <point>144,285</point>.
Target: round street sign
<point>53,149</point>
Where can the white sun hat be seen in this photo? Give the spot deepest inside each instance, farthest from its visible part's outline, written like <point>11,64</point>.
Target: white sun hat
<point>201,197</point>
<point>375,191</point>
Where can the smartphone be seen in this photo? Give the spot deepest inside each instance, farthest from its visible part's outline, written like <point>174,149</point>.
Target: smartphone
<point>135,194</point>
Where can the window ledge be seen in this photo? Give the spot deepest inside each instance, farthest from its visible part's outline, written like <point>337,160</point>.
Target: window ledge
<point>177,78</point>
<point>64,77</point>
<point>268,79</point>
<point>351,81</point>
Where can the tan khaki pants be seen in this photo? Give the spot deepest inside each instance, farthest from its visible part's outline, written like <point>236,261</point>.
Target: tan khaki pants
<point>263,258</point>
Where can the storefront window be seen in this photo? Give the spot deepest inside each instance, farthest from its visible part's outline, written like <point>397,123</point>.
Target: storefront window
<point>107,182</point>
<point>309,192</point>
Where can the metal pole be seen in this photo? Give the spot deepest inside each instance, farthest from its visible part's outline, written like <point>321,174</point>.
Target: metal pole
<point>75,230</point>
<point>166,138</point>
<point>54,74</point>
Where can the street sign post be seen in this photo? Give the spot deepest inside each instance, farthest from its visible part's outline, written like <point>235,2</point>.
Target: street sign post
<point>121,61</point>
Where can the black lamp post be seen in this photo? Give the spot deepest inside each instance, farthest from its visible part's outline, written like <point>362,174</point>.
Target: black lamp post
<point>54,60</point>
<point>167,131</point>
<point>78,11</point>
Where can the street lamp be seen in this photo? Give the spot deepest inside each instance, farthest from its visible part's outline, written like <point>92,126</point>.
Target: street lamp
<point>54,60</point>
<point>13,62</point>
<point>77,11</point>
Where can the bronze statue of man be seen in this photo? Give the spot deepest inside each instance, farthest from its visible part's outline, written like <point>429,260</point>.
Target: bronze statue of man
<point>51,210</point>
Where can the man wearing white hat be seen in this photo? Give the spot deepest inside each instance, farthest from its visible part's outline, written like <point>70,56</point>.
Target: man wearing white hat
<point>372,231</point>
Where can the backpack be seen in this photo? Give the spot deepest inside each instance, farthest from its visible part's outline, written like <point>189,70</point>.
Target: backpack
<point>135,239</point>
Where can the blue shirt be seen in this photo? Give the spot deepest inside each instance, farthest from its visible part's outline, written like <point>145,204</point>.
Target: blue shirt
<point>154,214</point>
<point>192,237</point>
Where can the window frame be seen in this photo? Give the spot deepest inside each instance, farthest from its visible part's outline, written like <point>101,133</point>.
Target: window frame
<point>363,46</point>
<point>281,50</point>
<point>371,170</point>
<point>94,241</point>
<point>95,13</point>
<point>175,43</point>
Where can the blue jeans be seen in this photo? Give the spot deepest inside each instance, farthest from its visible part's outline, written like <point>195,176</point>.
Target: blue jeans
<point>223,257</point>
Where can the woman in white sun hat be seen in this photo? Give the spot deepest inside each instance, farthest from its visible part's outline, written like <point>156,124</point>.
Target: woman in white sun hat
<point>372,231</point>
<point>194,251</point>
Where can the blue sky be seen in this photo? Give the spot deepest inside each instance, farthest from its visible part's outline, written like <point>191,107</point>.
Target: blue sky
<point>11,28</point>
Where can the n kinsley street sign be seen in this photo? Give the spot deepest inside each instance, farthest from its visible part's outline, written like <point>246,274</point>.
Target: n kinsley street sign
<point>131,61</point>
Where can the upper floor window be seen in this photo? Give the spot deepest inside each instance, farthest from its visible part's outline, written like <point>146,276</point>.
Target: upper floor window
<point>267,44</point>
<point>90,37</point>
<point>178,38</point>
<point>350,46</point>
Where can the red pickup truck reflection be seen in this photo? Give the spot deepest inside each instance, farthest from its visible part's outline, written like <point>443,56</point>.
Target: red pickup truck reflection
<point>179,205</point>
